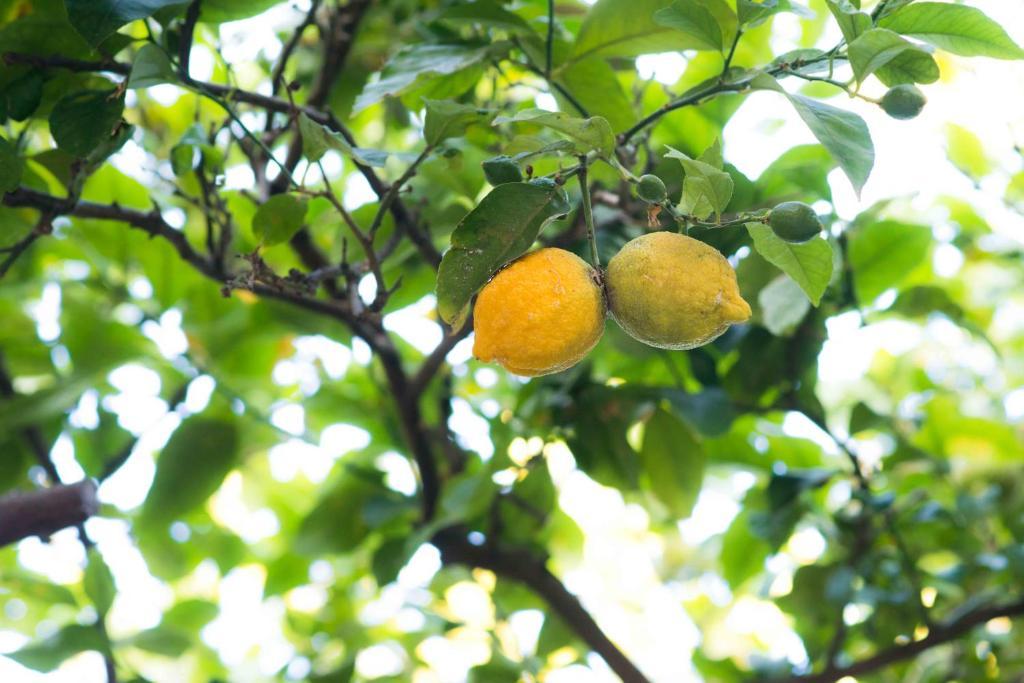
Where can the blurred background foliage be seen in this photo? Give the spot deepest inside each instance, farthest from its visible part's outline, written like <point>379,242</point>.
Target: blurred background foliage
<point>775,503</point>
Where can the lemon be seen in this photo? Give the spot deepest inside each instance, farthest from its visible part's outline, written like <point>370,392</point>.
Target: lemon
<point>903,101</point>
<point>795,222</point>
<point>651,189</point>
<point>673,292</point>
<point>541,314</point>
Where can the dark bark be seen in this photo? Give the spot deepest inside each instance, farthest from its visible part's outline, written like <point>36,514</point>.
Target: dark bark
<point>46,511</point>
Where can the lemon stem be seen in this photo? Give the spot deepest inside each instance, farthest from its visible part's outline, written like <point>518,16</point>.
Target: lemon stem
<point>588,212</point>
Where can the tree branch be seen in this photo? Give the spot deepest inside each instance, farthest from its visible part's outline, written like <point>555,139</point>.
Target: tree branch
<point>938,635</point>
<point>526,568</point>
<point>46,511</point>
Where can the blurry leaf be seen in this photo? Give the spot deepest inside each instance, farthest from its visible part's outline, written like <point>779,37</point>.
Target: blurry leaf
<point>808,263</point>
<point>317,139</point>
<point>694,20</point>
<point>486,14</point>
<point>673,460</point>
<point>501,227</point>
<point>99,583</point>
<point>219,11</point>
<point>600,418</point>
<point>191,467</point>
<point>1015,191</point>
<point>97,19</point>
<point>28,409</point>
<point>10,166</point>
<point>336,523</point>
<point>882,253</point>
<point>48,654</point>
<point>959,29</point>
<point>449,119</point>
<point>710,411</point>
<point>279,218</point>
<point>783,305</point>
<point>905,62</point>
<point>83,121</point>
<point>743,554</point>
<point>190,615</point>
<point>843,133</point>
<point>389,558</point>
<point>784,488</point>
<point>23,95</point>
<point>498,670</point>
<point>626,28</point>
<point>593,134</point>
<point>414,64</point>
<point>967,153</point>
<point>150,67</point>
<point>162,640</point>
<point>467,496</point>
<point>863,418</point>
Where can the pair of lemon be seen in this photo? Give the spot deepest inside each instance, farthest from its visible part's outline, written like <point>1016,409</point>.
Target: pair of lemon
<point>546,311</point>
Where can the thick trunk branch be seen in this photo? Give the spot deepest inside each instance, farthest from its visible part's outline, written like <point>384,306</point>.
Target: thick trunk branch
<point>46,511</point>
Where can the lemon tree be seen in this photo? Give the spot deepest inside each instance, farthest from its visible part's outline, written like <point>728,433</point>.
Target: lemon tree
<point>511,341</point>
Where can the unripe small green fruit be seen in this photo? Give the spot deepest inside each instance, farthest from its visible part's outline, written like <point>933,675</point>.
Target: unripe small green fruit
<point>651,189</point>
<point>794,222</point>
<point>502,169</point>
<point>903,101</point>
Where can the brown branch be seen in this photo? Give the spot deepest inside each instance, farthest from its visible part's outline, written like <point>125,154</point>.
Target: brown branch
<point>528,569</point>
<point>433,362</point>
<point>937,635</point>
<point>46,511</point>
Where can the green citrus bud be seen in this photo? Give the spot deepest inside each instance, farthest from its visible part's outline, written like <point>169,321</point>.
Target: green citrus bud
<point>903,101</point>
<point>651,189</point>
<point>502,169</point>
<point>794,222</point>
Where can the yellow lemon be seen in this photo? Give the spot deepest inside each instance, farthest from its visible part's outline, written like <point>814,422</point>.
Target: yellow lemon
<point>673,292</point>
<point>541,314</point>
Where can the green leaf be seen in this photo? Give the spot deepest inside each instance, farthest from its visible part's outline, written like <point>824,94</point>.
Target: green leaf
<point>23,95</point>
<point>413,65</point>
<point>191,467</point>
<point>673,460</point>
<point>852,22</point>
<point>903,61</point>
<point>755,12</point>
<point>20,411</point>
<point>46,655</point>
<point>627,28</point>
<point>783,305</point>
<point>967,152</point>
<point>11,166</point>
<point>220,11</point>
<point>593,134</point>
<point>162,640</point>
<point>151,66</point>
<point>95,20</point>
<point>317,139</point>
<point>595,85</point>
<point>99,583</point>
<point>882,253</point>
<point>959,29</point>
<point>501,227</point>
<point>486,14</point>
<point>85,120</point>
<point>694,20</point>
<point>448,119</point>
<point>808,263</point>
<point>336,524</point>
<point>706,189</point>
<point>279,218</point>
<point>843,133</point>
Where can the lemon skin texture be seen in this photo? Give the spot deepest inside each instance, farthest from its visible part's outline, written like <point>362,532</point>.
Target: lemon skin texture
<point>541,314</point>
<point>673,292</point>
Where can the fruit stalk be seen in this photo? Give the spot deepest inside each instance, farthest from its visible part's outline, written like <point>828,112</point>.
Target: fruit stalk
<point>588,212</point>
